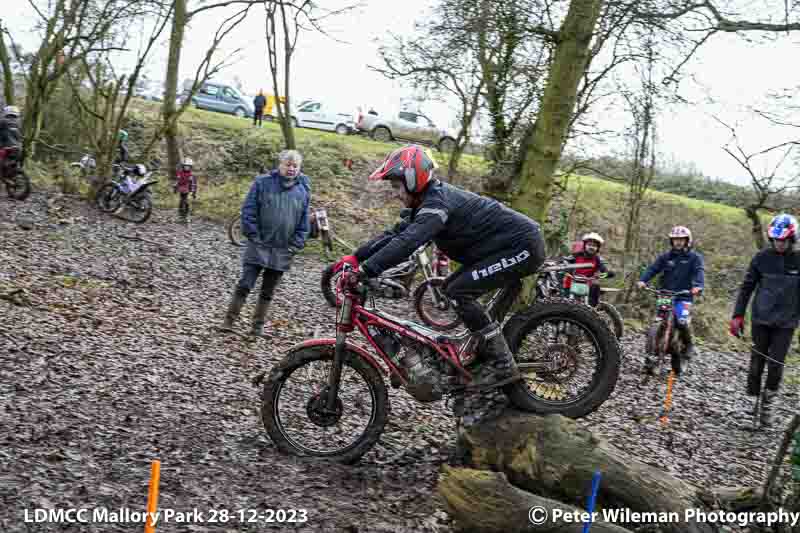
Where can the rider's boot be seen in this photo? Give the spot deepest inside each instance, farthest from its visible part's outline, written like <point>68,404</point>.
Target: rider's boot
<point>766,407</point>
<point>494,364</point>
<point>234,308</point>
<point>484,400</point>
<point>686,338</point>
<point>259,317</point>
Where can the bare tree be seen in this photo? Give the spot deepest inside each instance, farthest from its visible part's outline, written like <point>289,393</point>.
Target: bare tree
<point>439,65</point>
<point>768,187</point>
<point>283,23</point>
<point>572,56</point>
<point>205,70</point>
<point>71,31</point>
<point>8,72</point>
<point>103,110</point>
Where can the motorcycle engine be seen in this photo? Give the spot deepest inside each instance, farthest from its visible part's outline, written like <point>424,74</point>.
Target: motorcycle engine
<point>428,375</point>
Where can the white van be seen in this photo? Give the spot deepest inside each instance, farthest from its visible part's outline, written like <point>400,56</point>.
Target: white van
<point>322,116</point>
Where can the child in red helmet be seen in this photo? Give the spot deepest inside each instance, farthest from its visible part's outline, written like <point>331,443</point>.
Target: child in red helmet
<point>185,183</point>
<point>589,252</point>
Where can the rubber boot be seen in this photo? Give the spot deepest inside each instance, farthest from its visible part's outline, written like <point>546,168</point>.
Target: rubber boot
<point>234,308</point>
<point>686,338</point>
<point>495,363</point>
<point>259,317</point>
<point>484,400</point>
<point>766,407</point>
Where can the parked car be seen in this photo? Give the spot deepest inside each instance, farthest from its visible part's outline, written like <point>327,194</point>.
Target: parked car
<point>323,116</point>
<point>222,98</point>
<point>405,126</point>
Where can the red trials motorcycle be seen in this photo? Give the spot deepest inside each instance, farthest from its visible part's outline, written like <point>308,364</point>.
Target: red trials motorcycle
<point>326,398</point>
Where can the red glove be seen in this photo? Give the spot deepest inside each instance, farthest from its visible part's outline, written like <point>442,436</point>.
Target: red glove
<point>349,259</point>
<point>737,326</point>
<point>696,290</point>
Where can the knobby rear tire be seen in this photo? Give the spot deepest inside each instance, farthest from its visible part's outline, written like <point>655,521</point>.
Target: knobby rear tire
<point>297,360</point>
<point>21,188</point>
<point>604,382</point>
<point>328,291</point>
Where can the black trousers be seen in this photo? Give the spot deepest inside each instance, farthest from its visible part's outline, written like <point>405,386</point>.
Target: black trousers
<point>774,342</point>
<point>257,116</point>
<point>509,267</point>
<point>183,206</point>
<point>269,280</point>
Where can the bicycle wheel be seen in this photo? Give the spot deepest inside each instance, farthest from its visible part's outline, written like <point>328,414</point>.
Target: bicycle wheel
<point>612,317</point>
<point>434,308</point>
<point>235,231</point>
<point>292,410</point>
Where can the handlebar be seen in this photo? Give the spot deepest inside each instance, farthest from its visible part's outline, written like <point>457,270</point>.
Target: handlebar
<point>552,266</point>
<point>665,292</point>
<point>579,277</point>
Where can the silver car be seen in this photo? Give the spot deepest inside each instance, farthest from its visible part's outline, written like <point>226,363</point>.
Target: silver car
<point>222,98</point>
<point>405,126</point>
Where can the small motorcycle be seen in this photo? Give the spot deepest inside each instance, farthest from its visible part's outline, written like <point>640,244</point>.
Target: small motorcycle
<point>318,220</point>
<point>125,191</point>
<point>396,282</point>
<point>579,290</point>
<point>17,184</point>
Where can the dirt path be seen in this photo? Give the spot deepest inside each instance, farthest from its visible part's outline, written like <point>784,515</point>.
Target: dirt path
<point>109,358</point>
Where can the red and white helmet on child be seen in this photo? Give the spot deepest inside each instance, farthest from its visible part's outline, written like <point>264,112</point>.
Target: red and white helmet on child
<point>681,232</point>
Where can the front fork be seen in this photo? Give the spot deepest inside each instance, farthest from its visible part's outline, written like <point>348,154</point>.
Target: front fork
<point>344,326</point>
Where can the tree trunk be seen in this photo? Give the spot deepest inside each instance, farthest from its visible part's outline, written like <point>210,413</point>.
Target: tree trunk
<point>481,501</point>
<point>556,109</point>
<point>758,230</point>
<point>8,74</point>
<point>553,458</point>
<point>179,19</point>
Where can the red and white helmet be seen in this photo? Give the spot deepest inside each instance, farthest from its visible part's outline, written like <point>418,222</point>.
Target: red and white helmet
<point>410,164</point>
<point>681,232</point>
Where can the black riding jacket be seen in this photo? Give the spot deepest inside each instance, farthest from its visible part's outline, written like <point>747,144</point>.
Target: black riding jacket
<point>776,279</point>
<point>465,226</point>
<point>10,134</point>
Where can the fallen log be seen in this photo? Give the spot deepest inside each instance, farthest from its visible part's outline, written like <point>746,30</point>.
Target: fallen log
<point>483,502</point>
<point>553,458</point>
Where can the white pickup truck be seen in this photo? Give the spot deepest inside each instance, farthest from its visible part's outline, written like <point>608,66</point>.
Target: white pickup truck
<point>405,126</point>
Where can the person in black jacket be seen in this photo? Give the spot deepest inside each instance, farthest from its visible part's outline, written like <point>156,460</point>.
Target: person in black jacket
<point>10,134</point>
<point>774,275</point>
<point>494,245</point>
<point>258,105</point>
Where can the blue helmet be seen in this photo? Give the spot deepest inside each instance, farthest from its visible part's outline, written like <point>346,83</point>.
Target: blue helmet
<point>782,227</point>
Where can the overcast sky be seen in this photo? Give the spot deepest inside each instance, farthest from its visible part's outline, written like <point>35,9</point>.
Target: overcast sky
<point>737,73</point>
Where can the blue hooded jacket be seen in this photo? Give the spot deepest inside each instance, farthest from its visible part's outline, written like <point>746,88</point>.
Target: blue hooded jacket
<point>275,220</point>
<point>681,271</point>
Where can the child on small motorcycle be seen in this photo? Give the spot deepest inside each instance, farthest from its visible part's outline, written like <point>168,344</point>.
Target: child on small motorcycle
<point>588,252</point>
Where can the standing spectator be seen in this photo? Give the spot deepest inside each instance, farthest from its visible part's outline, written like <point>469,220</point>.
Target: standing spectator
<point>122,147</point>
<point>258,103</point>
<point>276,223</point>
<point>185,183</point>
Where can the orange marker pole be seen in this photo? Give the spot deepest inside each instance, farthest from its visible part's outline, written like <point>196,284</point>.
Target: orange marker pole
<point>152,496</point>
<point>668,400</point>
